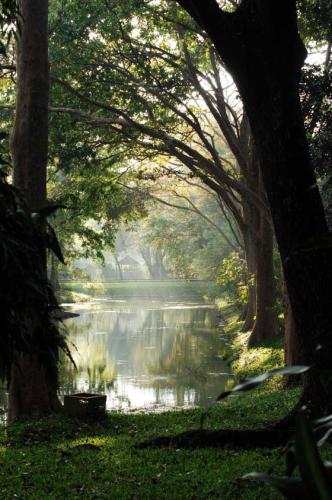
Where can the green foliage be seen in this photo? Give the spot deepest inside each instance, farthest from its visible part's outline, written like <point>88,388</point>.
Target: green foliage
<point>315,20</point>
<point>8,16</point>
<point>92,48</point>
<point>233,278</point>
<point>316,97</point>
<point>82,176</point>
<point>128,90</point>
<point>191,247</point>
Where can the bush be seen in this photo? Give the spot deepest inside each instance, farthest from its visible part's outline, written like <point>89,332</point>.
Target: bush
<point>233,278</point>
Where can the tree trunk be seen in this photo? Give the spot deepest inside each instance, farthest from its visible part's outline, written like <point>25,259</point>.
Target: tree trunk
<point>159,268</point>
<point>261,48</point>
<point>118,265</point>
<point>29,141</point>
<point>293,355</point>
<point>259,252</point>
<point>54,273</point>
<point>147,257</point>
<point>269,87</point>
<point>292,348</point>
<point>30,391</point>
<point>266,324</point>
<point>250,257</point>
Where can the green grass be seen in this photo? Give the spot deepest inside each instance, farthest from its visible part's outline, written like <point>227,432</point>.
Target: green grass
<point>168,290</point>
<point>56,457</point>
<point>60,458</point>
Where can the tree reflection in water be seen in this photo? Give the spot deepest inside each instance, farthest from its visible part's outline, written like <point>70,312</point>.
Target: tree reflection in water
<point>147,354</point>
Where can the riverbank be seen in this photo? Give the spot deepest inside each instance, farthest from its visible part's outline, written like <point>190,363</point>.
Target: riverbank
<point>75,291</point>
<point>56,457</point>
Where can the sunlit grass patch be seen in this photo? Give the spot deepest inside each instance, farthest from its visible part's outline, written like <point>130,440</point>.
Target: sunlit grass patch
<point>89,442</point>
<point>256,360</point>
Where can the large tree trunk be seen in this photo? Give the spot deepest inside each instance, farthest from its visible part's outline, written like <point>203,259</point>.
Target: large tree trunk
<point>266,324</point>
<point>292,348</point>
<point>293,355</point>
<point>261,47</point>
<point>31,391</point>
<point>28,391</point>
<point>29,141</point>
<point>259,244</point>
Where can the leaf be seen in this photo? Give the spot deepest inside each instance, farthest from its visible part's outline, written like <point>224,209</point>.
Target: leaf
<point>313,472</point>
<point>256,381</point>
<point>321,429</point>
<point>53,244</point>
<point>324,438</point>
<point>323,420</point>
<point>62,315</point>
<point>292,488</point>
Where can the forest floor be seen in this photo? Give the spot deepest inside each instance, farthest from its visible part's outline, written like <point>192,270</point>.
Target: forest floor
<point>58,457</point>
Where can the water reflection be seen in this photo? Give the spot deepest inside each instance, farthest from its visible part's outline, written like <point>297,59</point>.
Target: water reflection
<point>146,354</point>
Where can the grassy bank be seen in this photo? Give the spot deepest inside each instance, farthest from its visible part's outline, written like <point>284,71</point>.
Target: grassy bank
<point>60,458</point>
<point>154,290</point>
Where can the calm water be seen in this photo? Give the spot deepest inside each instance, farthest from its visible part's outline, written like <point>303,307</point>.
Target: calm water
<point>145,355</point>
<point>151,355</point>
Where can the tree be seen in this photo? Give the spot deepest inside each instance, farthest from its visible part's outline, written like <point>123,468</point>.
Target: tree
<point>30,335</point>
<point>82,176</point>
<point>32,391</point>
<point>190,246</point>
<point>29,140</point>
<point>163,105</point>
<point>266,35</point>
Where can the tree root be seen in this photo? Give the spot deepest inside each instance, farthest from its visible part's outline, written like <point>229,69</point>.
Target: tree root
<point>259,438</point>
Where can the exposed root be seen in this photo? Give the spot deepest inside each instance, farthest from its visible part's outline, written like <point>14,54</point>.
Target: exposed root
<point>233,438</point>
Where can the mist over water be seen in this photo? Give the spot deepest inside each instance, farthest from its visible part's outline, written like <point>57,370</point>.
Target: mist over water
<point>151,355</point>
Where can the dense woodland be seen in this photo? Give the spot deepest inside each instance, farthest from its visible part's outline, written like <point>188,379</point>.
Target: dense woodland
<point>194,138</point>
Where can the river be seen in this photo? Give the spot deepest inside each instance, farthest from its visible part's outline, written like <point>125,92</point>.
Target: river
<point>145,355</point>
